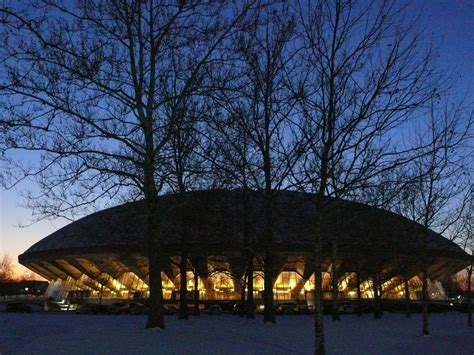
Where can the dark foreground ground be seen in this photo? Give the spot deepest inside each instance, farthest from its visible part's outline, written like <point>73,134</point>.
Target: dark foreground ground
<point>61,333</point>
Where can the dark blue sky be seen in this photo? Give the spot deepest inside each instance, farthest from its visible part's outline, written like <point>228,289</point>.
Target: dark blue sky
<point>451,23</point>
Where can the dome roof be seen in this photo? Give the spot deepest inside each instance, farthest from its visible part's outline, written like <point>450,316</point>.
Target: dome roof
<point>214,219</point>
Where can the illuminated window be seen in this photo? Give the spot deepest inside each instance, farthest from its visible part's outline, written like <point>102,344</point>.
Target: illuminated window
<point>222,281</point>
<point>286,281</point>
<point>166,282</point>
<point>366,288</point>
<point>189,282</point>
<point>310,284</point>
<point>258,281</point>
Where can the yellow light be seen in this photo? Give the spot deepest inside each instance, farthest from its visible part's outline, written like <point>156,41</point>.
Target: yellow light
<point>343,285</point>
<point>222,282</point>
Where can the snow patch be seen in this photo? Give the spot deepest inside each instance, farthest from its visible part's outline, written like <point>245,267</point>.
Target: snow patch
<point>69,334</point>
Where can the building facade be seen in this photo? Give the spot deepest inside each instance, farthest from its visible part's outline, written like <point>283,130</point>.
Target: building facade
<point>104,255</point>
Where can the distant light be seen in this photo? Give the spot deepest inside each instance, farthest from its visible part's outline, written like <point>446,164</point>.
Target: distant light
<point>26,288</point>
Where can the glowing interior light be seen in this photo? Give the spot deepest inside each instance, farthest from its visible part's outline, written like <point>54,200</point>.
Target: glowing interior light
<point>189,282</point>
<point>286,281</point>
<point>222,282</point>
<point>258,281</point>
<point>309,284</point>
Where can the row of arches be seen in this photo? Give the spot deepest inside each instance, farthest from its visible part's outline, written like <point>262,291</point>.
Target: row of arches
<point>221,285</point>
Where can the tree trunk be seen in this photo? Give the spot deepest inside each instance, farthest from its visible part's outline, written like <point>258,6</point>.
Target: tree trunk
<point>250,302</point>
<point>407,296</point>
<point>335,284</point>
<point>247,305</point>
<point>359,293</point>
<point>319,346</point>
<point>155,317</point>
<point>380,293</point>
<point>425,301</point>
<point>375,287</point>
<point>269,312</point>
<point>183,290</point>
<point>242,296</point>
<point>196,292</point>
<point>469,297</point>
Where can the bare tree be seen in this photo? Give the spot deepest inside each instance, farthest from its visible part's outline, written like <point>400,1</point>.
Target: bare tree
<point>365,74</point>
<point>385,191</point>
<point>6,268</point>
<point>470,245</point>
<point>184,171</point>
<point>463,234</point>
<point>259,107</point>
<point>438,192</point>
<point>231,156</point>
<point>85,85</point>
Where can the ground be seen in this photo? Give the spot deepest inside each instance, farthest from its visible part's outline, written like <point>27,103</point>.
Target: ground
<point>56,333</point>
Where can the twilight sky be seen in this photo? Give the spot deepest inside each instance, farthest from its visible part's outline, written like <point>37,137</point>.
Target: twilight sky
<point>450,22</point>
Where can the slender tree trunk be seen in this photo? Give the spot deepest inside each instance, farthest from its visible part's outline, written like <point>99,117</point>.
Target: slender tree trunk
<point>335,283</point>
<point>319,346</point>
<point>425,302</point>
<point>375,286</point>
<point>424,289</point>
<point>359,293</point>
<point>250,302</point>
<point>407,296</point>
<point>242,296</point>
<point>380,294</point>
<point>269,312</point>
<point>155,317</point>
<point>183,291</point>
<point>196,292</point>
<point>469,297</point>
<point>247,305</point>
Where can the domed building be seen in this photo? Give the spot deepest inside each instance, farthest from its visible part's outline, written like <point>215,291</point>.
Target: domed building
<point>104,255</point>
